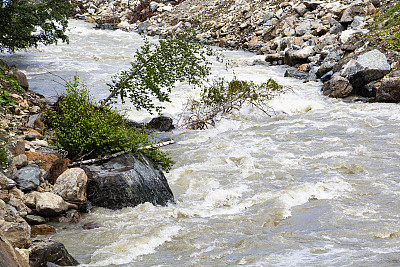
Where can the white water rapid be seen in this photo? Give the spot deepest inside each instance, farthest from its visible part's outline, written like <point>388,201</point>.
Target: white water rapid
<point>317,184</point>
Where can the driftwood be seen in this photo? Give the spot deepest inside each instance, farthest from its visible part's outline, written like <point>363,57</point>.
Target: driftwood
<point>107,157</point>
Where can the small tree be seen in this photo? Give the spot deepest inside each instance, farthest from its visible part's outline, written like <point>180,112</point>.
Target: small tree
<point>25,23</point>
<point>157,67</point>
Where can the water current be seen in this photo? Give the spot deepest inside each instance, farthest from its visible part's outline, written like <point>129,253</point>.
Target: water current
<point>316,184</point>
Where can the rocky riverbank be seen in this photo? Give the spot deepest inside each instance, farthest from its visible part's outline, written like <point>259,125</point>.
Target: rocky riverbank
<point>318,39</point>
<point>38,186</point>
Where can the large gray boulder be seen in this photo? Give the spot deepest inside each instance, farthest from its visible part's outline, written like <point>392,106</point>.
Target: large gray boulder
<point>43,251</point>
<point>71,186</point>
<point>126,181</point>
<point>28,178</point>
<point>368,67</point>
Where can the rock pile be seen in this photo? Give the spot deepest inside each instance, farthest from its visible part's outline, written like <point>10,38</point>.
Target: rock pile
<point>319,39</point>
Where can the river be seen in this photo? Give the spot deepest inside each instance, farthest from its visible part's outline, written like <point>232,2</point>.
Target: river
<point>316,184</point>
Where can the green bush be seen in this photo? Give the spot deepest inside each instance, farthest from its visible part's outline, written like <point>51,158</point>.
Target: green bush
<point>88,131</point>
<point>386,32</point>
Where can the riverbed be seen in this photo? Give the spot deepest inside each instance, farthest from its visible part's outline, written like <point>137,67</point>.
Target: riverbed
<point>315,184</point>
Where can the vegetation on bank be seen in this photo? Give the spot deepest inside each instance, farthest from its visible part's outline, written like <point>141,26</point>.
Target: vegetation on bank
<point>4,157</point>
<point>8,85</point>
<point>86,130</point>
<point>386,26</point>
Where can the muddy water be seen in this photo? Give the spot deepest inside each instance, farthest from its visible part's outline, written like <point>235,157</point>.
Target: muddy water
<point>316,184</point>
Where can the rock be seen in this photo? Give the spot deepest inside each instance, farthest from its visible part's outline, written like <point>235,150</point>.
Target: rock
<point>352,11</point>
<point>302,29</point>
<point>296,74</point>
<point>42,229</point>
<point>325,67</point>
<point>274,57</point>
<point>48,204</point>
<point>301,56</point>
<point>71,216</point>
<point>312,5</point>
<point>162,124</point>
<point>354,41</point>
<point>71,186</point>
<point>43,251</point>
<point>253,42</point>
<point>20,77</point>
<point>20,161</point>
<point>28,178</point>
<point>19,148</point>
<point>153,6</point>
<point>5,182</point>
<point>368,67</point>
<point>46,158</point>
<point>14,228</point>
<point>337,87</point>
<point>126,181</point>
<point>300,9</point>
<point>57,168</point>
<point>387,90</point>
<point>34,219</point>
<point>9,256</point>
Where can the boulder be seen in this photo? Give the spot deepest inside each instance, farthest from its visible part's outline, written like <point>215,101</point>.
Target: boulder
<point>20,161</point>
<point>28,178</point>
<point>57,168</point>
<point>276,57</point>
<point>293,73</point>
<point>20,77</point>
<point>126,181</point>
<point>34,219</point>
<point>352,11</point>
<point>387,90</point>
<point>48,204</point>
<point>300,9</point>
<point>5,182</point>
<point>325,67</point>
<point>368,67</point>
<point>161,123</point>
<point>9,256</point>
<point>71,186</point>
<point>337,87</point>
<point>44,251</point>
<point>42,229</point>
<point>14,228</point>
<point>294,57</point>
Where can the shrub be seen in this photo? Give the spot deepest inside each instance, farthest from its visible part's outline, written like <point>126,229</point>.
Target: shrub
<point>87,131</point>
<point>223,97</point>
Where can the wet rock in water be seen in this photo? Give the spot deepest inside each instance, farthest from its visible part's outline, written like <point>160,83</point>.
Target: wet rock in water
<point>337,87</point>
<point>43,251</point>
<point>9,257</point>
<point>301,56</point>
<point>126,181</point>
<point>42,229</point>
<point>296,74</point>
<point>387,90</point>
<point>28,178</point>
<point>71,186</point>
<point>162,124</point>
<point>368,67</point>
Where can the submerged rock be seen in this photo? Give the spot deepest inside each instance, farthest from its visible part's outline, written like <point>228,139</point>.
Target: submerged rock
<point>126,181</point>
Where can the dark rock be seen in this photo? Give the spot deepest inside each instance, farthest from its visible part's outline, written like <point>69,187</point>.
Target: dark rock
<point>368,67</point>
<point>43,251</point>
<point>90,226</point>
<point>296,74</point>
<point>326,77</point>
<point>387,90</point>
<point>312,5</point>
<point>57,168</point>
<point>9,257</point>
<point>34,219</point>
<point>126,181</point>
<point>325,67</point>
<point>273,57</point>
<point>28,178</point>
<point>162,124</point>
<point>337,87</point>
